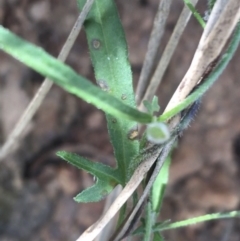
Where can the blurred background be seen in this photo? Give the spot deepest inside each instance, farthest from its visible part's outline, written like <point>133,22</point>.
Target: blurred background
<point>37,188</point>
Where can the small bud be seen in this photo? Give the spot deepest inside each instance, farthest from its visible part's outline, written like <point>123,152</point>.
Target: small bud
<point>158,132</point>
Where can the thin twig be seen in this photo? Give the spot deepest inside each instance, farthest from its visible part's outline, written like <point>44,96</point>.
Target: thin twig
<point>32,108</point>
<point>154,42</point>
<point>167,54</point>
<point>108,230</point>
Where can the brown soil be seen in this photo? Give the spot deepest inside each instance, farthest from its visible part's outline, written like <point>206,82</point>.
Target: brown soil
<point>36,187</point>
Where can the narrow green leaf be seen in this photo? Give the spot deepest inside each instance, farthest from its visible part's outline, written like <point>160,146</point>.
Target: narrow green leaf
<point>140,230</point>
<point>195,13</point>
<point>149,223</point>
<point>191,221</point>
<point>37,59</point>
<point>158,189</point>
<point>152,106</point>
<point>158,237</point>
<point>107,177</point>
<point>97,169</point>
<point>109,55</point>
<point>167,225</point>
<point>95,193</point>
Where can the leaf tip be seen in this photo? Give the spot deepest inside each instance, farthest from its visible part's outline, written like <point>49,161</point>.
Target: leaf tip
<point>61,153</point>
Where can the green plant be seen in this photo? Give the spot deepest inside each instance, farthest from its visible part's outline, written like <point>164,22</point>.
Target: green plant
<point>116,98</point>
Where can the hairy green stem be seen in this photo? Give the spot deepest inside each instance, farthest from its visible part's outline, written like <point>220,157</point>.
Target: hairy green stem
<point>149,223</point>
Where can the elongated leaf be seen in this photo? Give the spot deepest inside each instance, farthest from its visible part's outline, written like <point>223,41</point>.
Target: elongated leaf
<point>158,189</point>
<point>99,170</point>
<point>95,193</point>
<point>184,223</point>
<point>107,177</point>
<point>195,13</point>
<point>37,59</point>
<point>109,55</point>
<point>191,221</point>
<point>152,106</point>
<point>157,237</point>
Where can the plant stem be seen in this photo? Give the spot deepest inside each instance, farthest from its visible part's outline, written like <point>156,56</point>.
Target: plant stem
<point>210,80</point>
<point>160,160</point>
<point>154,42</point>
<point>149,223</point>
<point>167,54</point>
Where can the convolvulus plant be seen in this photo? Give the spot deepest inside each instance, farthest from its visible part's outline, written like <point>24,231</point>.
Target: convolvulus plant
<point>140,159</point>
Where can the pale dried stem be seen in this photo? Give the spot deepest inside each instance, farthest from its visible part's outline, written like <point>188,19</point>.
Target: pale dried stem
<point>32,108</point>
<point>210,46</point>
<point>214,17</point>
<point>167,54</point>
<point>153,45</point>
<point>108,230</point>
<point>220,26</point>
